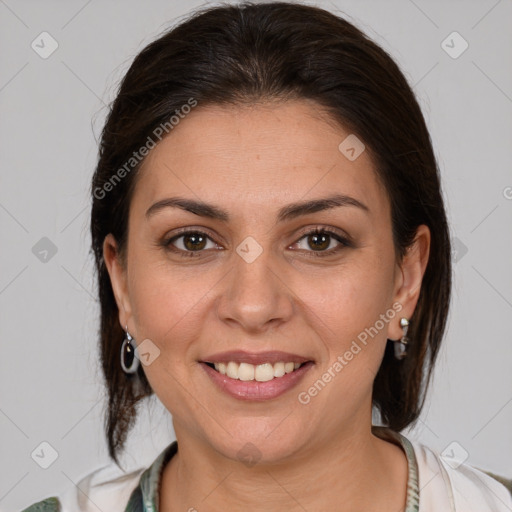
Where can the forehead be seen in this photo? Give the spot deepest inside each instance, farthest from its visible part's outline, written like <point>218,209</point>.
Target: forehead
<point>259,156</point>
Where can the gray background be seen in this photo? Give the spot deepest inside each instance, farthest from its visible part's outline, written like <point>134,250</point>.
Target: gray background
<point>51,115</point>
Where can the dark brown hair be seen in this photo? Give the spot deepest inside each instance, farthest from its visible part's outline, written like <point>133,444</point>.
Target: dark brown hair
<point>245,53</point>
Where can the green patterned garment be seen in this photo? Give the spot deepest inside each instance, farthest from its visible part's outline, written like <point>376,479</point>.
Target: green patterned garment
<point>47,505</point>
<point>145,497</point>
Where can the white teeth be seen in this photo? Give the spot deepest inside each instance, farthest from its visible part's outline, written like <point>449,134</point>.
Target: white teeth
<point>232,370</point>
<point>246,371</point>
<point>279,369</point>
<point>264,372</point>
<point>261,372</point>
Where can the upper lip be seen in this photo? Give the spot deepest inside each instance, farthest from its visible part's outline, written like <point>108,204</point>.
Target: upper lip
<point>255,358</point>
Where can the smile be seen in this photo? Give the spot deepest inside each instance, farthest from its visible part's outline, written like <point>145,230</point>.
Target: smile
<point>250,372</point>
<point>262,382</point>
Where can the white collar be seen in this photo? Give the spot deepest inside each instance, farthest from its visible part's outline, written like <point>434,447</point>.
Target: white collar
<point>446,486</point>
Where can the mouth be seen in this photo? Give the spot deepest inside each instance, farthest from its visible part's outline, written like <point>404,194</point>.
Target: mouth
<point>256,376</point>
<point>250,372</point>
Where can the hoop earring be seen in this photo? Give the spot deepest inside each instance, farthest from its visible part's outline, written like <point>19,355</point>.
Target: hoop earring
<point>401,344</point>
<point>129,360</point>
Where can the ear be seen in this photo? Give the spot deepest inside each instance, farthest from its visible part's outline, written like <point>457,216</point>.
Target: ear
<point>117,273</point>
<point>409,277</point>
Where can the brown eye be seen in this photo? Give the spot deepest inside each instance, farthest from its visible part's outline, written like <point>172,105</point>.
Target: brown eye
<point>194,241</point>
<point>321,241</point>
<point>190,242</point>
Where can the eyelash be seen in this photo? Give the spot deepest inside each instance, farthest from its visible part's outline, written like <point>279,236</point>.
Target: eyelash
<point>315,231</point>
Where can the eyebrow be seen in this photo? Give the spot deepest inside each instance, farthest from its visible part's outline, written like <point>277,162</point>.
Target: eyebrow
<point>288,212</point>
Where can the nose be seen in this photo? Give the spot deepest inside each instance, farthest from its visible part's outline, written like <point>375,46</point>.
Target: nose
<point>255,294</point>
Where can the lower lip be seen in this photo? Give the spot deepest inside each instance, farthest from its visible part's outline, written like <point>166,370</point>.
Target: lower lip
<point>254,390</point>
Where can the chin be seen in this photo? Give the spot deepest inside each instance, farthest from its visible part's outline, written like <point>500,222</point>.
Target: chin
<point>259,442</point>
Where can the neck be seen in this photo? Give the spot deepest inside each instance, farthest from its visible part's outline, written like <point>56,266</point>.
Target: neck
<point>359,471</point>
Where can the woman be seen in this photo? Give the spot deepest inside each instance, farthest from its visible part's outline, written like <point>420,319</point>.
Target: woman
<point>273,259</point>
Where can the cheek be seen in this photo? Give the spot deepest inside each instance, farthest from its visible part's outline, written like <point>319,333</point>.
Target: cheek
<point>352,313</point>
<point>167,308</point>
<point>352,298</point>
<point>171,307</point>
<point>354,338</point>
<point>164,296</point>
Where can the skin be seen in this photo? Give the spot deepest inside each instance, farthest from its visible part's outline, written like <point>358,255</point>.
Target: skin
<point>251,161</point>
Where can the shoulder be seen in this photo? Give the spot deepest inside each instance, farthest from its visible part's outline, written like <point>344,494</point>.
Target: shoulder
<point>444,479</point>
<point>107,488</point>
<point>507,482</point>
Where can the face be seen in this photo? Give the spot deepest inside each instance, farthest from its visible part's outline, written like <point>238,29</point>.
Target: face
<point>249,273</point>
